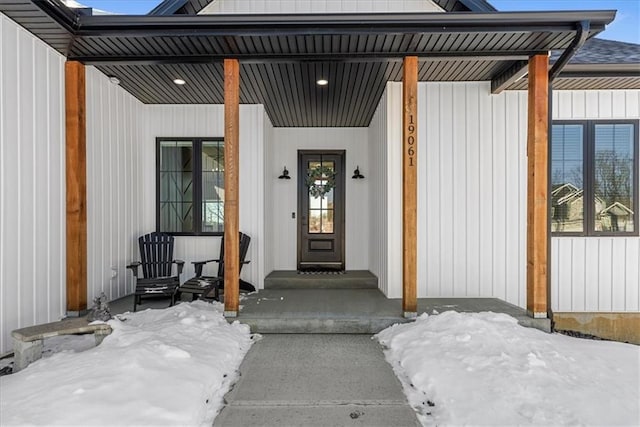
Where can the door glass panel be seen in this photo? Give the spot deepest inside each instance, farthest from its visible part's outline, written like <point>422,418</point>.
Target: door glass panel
<point>315,220</point>
<point>327,221</point>
<point>321,206</point>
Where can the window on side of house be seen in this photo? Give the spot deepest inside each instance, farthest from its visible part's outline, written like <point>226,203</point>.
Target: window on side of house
<point>190,186</point>
<point>594,177</point>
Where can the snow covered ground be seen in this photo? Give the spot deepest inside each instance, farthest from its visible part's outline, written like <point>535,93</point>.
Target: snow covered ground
<point>158,367</point>
<point>485,369</point>
<point>173,367</point>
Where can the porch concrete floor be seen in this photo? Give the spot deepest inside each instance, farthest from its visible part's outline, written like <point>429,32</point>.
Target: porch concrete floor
<point>353,311</point>
<point>339,311</point>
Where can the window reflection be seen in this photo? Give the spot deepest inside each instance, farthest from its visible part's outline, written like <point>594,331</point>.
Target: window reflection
<point>567,176</point>
<point>614,177</point>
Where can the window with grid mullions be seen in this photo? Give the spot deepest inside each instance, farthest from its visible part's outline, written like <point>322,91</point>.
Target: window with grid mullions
<point>190,186</point>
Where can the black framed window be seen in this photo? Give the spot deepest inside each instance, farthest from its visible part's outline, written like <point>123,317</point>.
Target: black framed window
<point>594,177</point>
<point>190,186</point>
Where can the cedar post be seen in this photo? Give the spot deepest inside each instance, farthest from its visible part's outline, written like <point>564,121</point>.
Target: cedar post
<point>76,182</point>
<point>231,170</point>
<point>537,186</point>
<point>409,185</point>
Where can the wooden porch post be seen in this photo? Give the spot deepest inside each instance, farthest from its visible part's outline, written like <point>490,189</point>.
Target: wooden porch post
<point>409,185</point>
<point>76,182</point>
<point>231,170</point>
<point>537,187</point>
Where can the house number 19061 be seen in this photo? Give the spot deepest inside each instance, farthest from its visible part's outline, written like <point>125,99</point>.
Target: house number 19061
<point>411,139</point>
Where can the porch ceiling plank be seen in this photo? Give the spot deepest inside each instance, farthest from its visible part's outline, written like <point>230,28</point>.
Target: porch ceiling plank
<point>250,89</point>
<point>76,187</point>
<point>537,187</point>
<point>375,75</point>
<point>335,86</point>
<point>231,181</point>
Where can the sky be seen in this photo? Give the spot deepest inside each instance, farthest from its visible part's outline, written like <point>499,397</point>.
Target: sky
<point>625,28</point>
<point>174,366</point>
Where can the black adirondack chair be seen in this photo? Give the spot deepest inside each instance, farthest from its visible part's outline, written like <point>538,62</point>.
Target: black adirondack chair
<point>156,253</point>
<point>210,287</point>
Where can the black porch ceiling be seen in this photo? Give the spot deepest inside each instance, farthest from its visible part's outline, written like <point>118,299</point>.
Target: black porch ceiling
<point>282,56</point>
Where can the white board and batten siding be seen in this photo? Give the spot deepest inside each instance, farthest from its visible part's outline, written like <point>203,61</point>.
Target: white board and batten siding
<point>270,186</point>
<point>471,192</point>
<point>596,274</point>
<point>315,6</point>
<point>283,194</point>
<point>208,121</point>
<point>116,199</point>
<point>32,182</point>
<point>378,195</point>
<point>472,201</point>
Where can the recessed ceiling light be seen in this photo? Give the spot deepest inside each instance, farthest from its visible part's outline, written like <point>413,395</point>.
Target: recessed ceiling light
<point>114,80</point>
<point>322,82</point>
<point>179,81</point>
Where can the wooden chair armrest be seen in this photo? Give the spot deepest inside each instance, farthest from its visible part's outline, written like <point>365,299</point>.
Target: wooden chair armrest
<point>134,268</point>
<point>197,265</point>
<point>180,264</point>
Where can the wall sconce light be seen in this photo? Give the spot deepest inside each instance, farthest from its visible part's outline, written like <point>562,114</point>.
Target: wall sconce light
<point>285,174</point>
<point>357,174</point>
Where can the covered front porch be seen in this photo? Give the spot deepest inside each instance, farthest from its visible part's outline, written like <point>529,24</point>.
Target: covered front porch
<point>451,205</point>
<point>349,303</point>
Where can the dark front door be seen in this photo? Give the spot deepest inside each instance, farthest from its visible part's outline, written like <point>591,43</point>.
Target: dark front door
<point>321,182</point>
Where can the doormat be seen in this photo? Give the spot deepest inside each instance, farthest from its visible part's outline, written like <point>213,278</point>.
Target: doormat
<point>320,272</point>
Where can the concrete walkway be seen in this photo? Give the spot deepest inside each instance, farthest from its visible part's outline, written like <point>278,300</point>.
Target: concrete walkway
<point>316,380</point>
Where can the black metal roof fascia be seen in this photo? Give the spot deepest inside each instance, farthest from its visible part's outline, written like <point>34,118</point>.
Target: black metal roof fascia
<point>60,13</point>
<point>167,7</point>
<point>581,36</point>
<point>314,24</point>
<point>302,57</point>
<point>600,70</point>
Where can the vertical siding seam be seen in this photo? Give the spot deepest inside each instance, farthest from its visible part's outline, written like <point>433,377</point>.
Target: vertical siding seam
<point>598,251</point>
<point>479,198</point>
<point>48,184</point>
<point>100,105</point>
<point>2,202</point>
<point>584,263</point>
<point>466,192</point>
<point>611,276</point>
<point>626,250</point>
<point>62,180</point>
<point>120,102</point>
<point>18,175</point>
<point>34,181</point>
<point>504,183</point>
<point>439,86</point>
<point>571,275</point>
<point>493,113</point>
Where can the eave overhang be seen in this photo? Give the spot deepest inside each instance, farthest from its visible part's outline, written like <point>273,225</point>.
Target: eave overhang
<point>281,55</point>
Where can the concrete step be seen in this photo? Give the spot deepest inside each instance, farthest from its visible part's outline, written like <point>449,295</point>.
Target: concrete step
<point>320,325</point>
<point>354,279</point>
